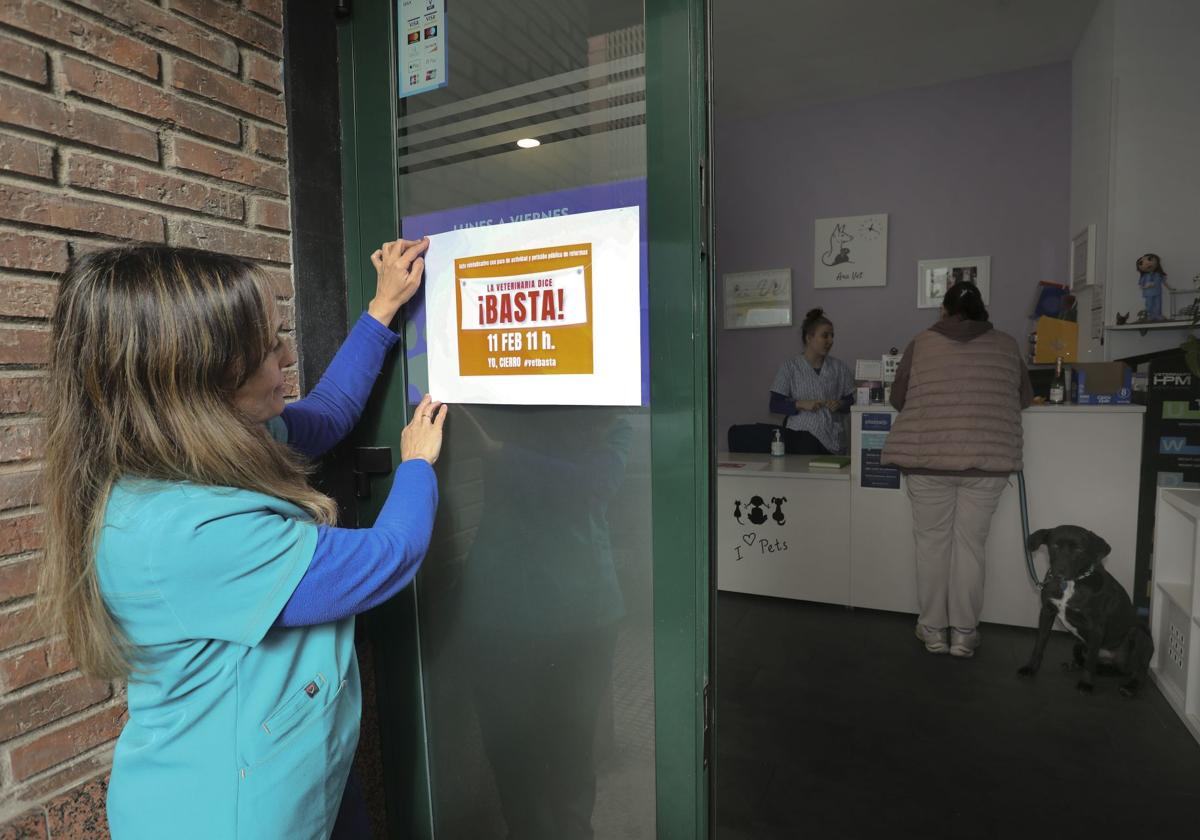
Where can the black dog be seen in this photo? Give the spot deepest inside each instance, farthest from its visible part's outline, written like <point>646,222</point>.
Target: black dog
<point>1092,605</point>
<point>778,514</point>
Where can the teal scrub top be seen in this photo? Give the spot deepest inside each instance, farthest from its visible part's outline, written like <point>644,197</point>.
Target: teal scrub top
<point>237,728</point>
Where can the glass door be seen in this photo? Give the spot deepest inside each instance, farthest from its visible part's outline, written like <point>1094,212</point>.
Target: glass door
<point>546,677</point>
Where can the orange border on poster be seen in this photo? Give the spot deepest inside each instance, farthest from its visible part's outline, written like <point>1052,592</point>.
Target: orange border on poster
<point>555,350</point>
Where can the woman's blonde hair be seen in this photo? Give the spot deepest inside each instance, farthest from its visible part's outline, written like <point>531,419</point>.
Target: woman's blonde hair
<point>149,344</point>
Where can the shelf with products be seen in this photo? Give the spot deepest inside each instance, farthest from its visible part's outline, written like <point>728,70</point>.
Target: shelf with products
<point>1151,325</point>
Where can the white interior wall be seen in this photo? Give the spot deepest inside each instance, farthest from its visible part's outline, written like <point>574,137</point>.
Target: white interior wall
<point>1134,169</point>
<point>1156,176</point>
<point>1091,141</point>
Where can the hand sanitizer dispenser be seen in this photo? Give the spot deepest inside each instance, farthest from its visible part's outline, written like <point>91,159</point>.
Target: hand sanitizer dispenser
<point>777,444</point>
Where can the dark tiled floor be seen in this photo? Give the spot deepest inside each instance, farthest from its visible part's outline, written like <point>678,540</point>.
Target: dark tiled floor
<point>833,723</point>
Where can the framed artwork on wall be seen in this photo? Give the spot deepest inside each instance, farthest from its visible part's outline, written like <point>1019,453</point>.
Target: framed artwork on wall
<point>1083,258</point>
<point>850,251</point>
<point>758,299</point>
<point>935,277</point>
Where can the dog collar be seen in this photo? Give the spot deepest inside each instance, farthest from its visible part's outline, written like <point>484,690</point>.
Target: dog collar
<point>1051,576</point>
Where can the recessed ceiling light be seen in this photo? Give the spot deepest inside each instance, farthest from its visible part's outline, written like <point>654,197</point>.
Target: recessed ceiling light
<point>529,143</point>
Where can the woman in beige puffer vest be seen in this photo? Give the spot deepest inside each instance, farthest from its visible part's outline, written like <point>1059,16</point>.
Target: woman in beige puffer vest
<point>959,389</point>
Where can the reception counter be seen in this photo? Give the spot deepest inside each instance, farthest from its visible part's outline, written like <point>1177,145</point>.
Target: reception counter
<point>844,536</point>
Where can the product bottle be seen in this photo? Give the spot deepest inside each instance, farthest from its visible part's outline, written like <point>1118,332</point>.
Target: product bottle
<point>777,444</point>
<point>1058,386</point>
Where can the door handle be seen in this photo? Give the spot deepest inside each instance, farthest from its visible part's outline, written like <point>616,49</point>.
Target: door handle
<point>369,461</point>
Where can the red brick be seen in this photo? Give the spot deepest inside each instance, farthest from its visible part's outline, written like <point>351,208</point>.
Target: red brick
<point>235,23</point>
<point>272,10</point>
<point>58,746</point>
<point>229,166</point>
<point>281,282</point>
<point>18,579</point>
<point>226,240</point>
<point>23,298</point>
<point>269,142</point>
<point>29,826</point>
<point>51,704</point>
<point>287,313</point>
<point>264,71</point>
<point>98,763</point>
<point>46,660</point>
<point>79,814</point>
<point>21,441</point>
<point>26,157</point>
<point>23,61</point>
<point>35,207</point>
<point>93,173</point>
<point>18,534</point>
<point>271,214</point>
<point>150,21</point>
<point>18,627</point>
<point>128,94</point>
<point>29,252</point>
<point>291,383</point>
<point>24,345</point>
<point>228,91</point>
<point>37,111</point>
<point>22,393</point>
<point>19,489</point>
<point>57,24</point>
<point>80,248</point>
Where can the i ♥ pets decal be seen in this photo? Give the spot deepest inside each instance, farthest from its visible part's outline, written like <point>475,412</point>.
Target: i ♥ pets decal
<point>767,512</point>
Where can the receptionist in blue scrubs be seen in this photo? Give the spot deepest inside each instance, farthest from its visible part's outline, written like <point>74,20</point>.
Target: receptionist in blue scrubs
<point>815,391</point>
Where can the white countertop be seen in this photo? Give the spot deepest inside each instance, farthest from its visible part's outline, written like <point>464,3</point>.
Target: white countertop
<point>1065,408</point>
<point>772,466</point>
<point>1070,408</point>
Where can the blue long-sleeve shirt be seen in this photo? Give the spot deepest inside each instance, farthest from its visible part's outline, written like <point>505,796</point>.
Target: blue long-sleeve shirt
<point>318,422</point>
<point>355,569</point>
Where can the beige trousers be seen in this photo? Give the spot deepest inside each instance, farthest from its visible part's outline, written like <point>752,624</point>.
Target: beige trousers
<point>951,519</point>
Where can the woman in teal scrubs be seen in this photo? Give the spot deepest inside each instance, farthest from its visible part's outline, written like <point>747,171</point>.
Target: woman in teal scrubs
<point>187,552</point>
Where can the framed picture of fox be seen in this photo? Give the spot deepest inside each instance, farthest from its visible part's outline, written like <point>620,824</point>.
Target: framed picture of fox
<point>850,251</point>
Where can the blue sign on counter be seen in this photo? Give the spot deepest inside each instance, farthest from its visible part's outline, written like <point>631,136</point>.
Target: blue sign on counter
<point>875,474</point>
<point>877,422</point>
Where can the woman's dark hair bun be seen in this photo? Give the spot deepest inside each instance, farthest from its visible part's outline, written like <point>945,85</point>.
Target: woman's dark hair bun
<point>812,320</point>
<point>966,301</point>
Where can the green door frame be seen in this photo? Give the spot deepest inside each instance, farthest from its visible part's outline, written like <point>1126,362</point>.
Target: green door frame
<point>680,420</point>
<point>371,213</point>
<point>681,437</point>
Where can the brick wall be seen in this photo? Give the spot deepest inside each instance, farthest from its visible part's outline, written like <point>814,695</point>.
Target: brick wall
<point>119,120</point>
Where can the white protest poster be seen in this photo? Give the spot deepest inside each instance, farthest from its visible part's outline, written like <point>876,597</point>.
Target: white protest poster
<point>850,251</point>
<point>540,312</point>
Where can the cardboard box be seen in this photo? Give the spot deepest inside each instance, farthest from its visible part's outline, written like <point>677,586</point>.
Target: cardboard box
<point>1102,383</point>
<point>1055,338</point>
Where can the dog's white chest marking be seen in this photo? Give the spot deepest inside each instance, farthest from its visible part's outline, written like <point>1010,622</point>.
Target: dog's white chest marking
<point>1061,605</point>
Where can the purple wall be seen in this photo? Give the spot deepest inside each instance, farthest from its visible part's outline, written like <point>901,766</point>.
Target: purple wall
<point>970,168</point>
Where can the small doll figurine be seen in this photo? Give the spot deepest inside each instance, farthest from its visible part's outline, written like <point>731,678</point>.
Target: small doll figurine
<point>1151,281</point>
